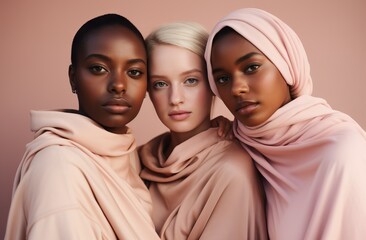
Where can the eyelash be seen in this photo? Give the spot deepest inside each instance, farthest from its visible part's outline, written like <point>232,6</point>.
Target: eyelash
<point>219,80</point>
<point>134,73</point>
<point>189,81</point>
<point>249,69</point>
<point>158,84</point>
<point>97,69</point>
<point>254,65</point>
<point>162,84</point>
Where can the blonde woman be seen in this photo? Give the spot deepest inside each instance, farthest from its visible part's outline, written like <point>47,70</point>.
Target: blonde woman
<point>202,186</point>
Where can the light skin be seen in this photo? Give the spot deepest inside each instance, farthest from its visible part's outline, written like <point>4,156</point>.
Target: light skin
<point>110,77</point>
<point>249,84</point>
<point>179,90</point>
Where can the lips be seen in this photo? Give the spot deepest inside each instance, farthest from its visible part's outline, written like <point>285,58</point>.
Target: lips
<point>246,107</point>
<point>117,106</point>
<point>179,115</point>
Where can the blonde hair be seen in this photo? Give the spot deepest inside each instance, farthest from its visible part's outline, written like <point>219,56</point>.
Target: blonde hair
<point>188,35</point>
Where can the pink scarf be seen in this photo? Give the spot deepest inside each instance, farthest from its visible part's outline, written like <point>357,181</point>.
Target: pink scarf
<point>312,157</point>
<point>275,39</point>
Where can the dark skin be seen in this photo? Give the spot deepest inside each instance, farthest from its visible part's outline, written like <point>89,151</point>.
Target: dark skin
<point>249,84</point>
<point>110,77</point>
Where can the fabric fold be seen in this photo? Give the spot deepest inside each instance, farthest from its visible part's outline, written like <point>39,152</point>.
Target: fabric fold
<point>76,173</point>
<point>207,188</point>
<point>312,157</point>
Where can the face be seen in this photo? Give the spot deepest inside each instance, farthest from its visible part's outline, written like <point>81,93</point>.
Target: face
<point>110,77</point>
<point>249,84</point>
<point>179,90</point>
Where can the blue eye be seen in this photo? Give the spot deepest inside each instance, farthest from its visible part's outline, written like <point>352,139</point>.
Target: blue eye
<point>159,84</point>
<point>191,81</point>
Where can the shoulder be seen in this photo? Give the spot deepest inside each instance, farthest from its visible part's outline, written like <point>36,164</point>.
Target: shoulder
<point>345,147</point>
<point>56,158</point>
<point>75,225</point>
<point>54,181</point>
<point>55,170</point>
<point>235,161</point>
<point>232,151</point>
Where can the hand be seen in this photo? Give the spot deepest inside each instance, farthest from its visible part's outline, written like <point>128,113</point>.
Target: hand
<point>225,127</point>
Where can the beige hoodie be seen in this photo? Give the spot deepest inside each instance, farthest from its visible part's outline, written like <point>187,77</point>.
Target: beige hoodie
<point>78,181</point>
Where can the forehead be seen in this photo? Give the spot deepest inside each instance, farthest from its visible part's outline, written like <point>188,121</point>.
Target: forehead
<point>170,58</point>
<point>111,35</point>
<point>173,54</point>
<point>231,39</point>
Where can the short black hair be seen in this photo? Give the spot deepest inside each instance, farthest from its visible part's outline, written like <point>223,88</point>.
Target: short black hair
<point>97,23</point>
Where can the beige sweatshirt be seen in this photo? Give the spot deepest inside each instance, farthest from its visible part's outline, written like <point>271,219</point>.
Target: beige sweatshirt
<point>78,181</point>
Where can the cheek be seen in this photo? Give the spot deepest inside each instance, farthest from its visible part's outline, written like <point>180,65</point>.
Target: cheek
<point>159,100</point>
<point>274,89</point>
<point>226,97</point>
<point>89,93</point>
<point>206,97</point>
<point>265,83</point>
<point>138,90</point>
<point>91,84</point>
<point>203,102</point>
<point>199,95</point>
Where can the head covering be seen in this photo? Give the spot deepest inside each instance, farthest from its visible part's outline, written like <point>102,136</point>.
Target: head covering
<point>273,38</point>
<point>312,158</point>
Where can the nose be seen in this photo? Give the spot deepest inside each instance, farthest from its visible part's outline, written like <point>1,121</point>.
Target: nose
<point>118,83</point>
<point>239,85</point>
<point>176,95</point>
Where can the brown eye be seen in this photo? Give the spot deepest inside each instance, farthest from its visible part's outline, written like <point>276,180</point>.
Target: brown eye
<point>97,69</point>
<point>135,73</point>
<point>222,80</point>
<point>252,68</point>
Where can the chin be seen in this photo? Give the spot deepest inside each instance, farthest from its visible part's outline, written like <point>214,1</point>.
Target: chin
<point>181,129</point>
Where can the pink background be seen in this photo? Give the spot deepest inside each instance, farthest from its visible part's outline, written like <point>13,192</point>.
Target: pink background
<point>35,51</point>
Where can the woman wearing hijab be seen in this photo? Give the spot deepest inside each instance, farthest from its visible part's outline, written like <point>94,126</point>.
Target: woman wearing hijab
<point>312,158</point>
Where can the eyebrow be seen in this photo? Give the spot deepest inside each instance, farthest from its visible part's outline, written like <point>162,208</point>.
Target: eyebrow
<point>191,71</point>
<point>239,60</point>
<point>183,73</point>
<point>245,57</point>
<point>95,55</point>
<point>105,58</point>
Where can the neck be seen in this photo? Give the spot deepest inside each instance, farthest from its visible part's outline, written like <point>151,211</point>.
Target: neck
<point>177,138</point>
<point>117,130</point>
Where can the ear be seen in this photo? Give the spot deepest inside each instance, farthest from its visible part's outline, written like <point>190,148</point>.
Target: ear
<point>72,78</point>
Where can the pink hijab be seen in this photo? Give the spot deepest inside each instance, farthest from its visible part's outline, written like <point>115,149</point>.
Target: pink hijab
<point>275,39</point>
<point>312,157</point>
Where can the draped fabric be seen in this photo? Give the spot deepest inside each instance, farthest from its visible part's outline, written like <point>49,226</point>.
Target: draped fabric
<point>275,39</point>
<point>78,181</point>
<point>207,188</point>
<point>312,157</point>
